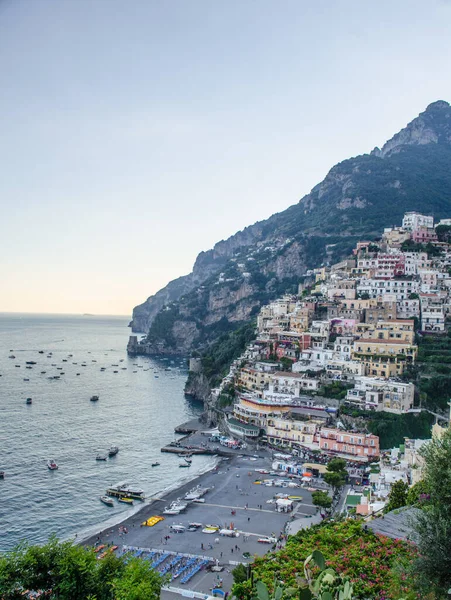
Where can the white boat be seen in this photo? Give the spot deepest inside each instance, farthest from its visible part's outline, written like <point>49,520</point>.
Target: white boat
<point>107,501</point>
<point>51,464</point>
<point>101,457</point>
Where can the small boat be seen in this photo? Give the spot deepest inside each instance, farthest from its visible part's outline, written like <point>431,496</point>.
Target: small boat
<point>11,356</point>
<point>107,501</point>
<point>184,466</point>
<point>28,401</point>
<point>51,464</point>
<point>26,379</point>
<point>188,460</point>
<point>126,500</point>
<point>113,450</point>
<point>30,362</point>
<point>155,464</point>
<point>101,457</point>
<point>2,474</point>
<point>94,398</point>
<point>41,351</point>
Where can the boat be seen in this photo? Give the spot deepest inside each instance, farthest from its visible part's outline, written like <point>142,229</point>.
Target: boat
<point>30,362</point>
<point>184,466</point>
<point>107,501</point>
<point>41,351</point>
<point>126,500</point>
<point>188,460</point>
<point>125,490</point>
<point>26,379</point>
<point>94,398</point>
<point>2,474</point>
<point>155,464</point>
<point>113,450</point>
<point>101,457</point>
<point>11,356</point>
<point>51,464</point>
<point>28,401</point>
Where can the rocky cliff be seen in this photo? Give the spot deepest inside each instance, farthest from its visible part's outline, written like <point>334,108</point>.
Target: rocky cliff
<point>231,281</point>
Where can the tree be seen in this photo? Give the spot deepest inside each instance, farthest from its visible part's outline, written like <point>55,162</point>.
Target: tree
<point>433,523</point>
<point>336,474</point>
<point>398,495</point>
<point>67,571</point>
<point>138,582</point>
<point>322,499</point>
<point>419,493</point>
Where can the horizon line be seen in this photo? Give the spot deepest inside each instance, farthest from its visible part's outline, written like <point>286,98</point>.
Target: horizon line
<point>8,312</point>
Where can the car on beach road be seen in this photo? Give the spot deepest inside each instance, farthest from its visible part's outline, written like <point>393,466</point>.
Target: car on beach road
<point>267,540</point>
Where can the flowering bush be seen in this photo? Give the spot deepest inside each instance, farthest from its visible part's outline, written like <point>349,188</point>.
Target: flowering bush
<point>374,564</point>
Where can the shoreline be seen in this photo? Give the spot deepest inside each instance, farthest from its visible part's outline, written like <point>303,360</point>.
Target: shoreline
<point>89,535</point>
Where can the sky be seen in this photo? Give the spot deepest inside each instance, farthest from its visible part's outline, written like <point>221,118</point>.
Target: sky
<point>135,134</point>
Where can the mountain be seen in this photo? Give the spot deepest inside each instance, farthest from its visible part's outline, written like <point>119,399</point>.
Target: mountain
<point>231,281</point>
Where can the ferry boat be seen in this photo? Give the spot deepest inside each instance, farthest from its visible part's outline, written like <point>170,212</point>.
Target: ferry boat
<point>107,501</point>
<point>94,398</point>
<point>113,450</point>
<point>51,464</point>
<point>121,490</point>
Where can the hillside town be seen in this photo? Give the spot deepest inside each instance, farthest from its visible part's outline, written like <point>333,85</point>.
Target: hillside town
<point>347,339</point>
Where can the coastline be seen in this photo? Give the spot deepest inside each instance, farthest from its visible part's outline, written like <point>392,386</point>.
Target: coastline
<point>144,510</point>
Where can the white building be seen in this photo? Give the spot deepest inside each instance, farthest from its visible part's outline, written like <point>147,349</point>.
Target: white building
<point>389,395</point>
<point>413,220</point>
<point>401,288</point>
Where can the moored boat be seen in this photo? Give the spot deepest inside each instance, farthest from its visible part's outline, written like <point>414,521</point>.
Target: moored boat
<point>121,490</point>
<point>126,500</point>
<point>51,464</point>
<point>107,501</point>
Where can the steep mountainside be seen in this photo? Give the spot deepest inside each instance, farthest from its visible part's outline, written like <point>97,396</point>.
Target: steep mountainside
<point>229,283</point>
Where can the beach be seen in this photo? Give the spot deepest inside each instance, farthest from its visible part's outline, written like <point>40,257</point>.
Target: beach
<point>232,488</point>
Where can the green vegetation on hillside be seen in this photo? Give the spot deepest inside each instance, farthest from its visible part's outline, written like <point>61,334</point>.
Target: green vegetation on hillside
<point>377,566</point>
<point>217,359</point>
<point>64,571</point>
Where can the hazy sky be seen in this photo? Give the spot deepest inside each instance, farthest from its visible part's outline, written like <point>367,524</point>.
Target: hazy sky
<point>136,133</point>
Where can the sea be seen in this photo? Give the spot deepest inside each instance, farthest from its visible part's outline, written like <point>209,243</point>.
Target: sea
<point>140,402</point>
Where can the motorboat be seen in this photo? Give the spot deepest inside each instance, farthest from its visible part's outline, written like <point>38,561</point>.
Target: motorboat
<point>155,464</point>
<point>107,501</point>
<point>184,465</point>
<point>94,398</point>
<point>126,500</point>
<point>2,474</point>
<point>113,450</point>
<point>28,401</point>
<point>51,464</point>
<point>30,362</point>
<point>188,460</point>
<point>101,457</point>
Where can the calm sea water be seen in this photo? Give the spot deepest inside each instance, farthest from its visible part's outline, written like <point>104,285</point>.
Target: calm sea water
<point>138,409</point>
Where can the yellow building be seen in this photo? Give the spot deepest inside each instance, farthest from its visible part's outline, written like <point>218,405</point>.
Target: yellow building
<point>384,358</point>
<point>285,432</point>
<point>253,380</point>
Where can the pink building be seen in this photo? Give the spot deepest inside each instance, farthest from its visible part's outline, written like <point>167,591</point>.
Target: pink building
<point>423,235</point>
<point>359,445</point>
